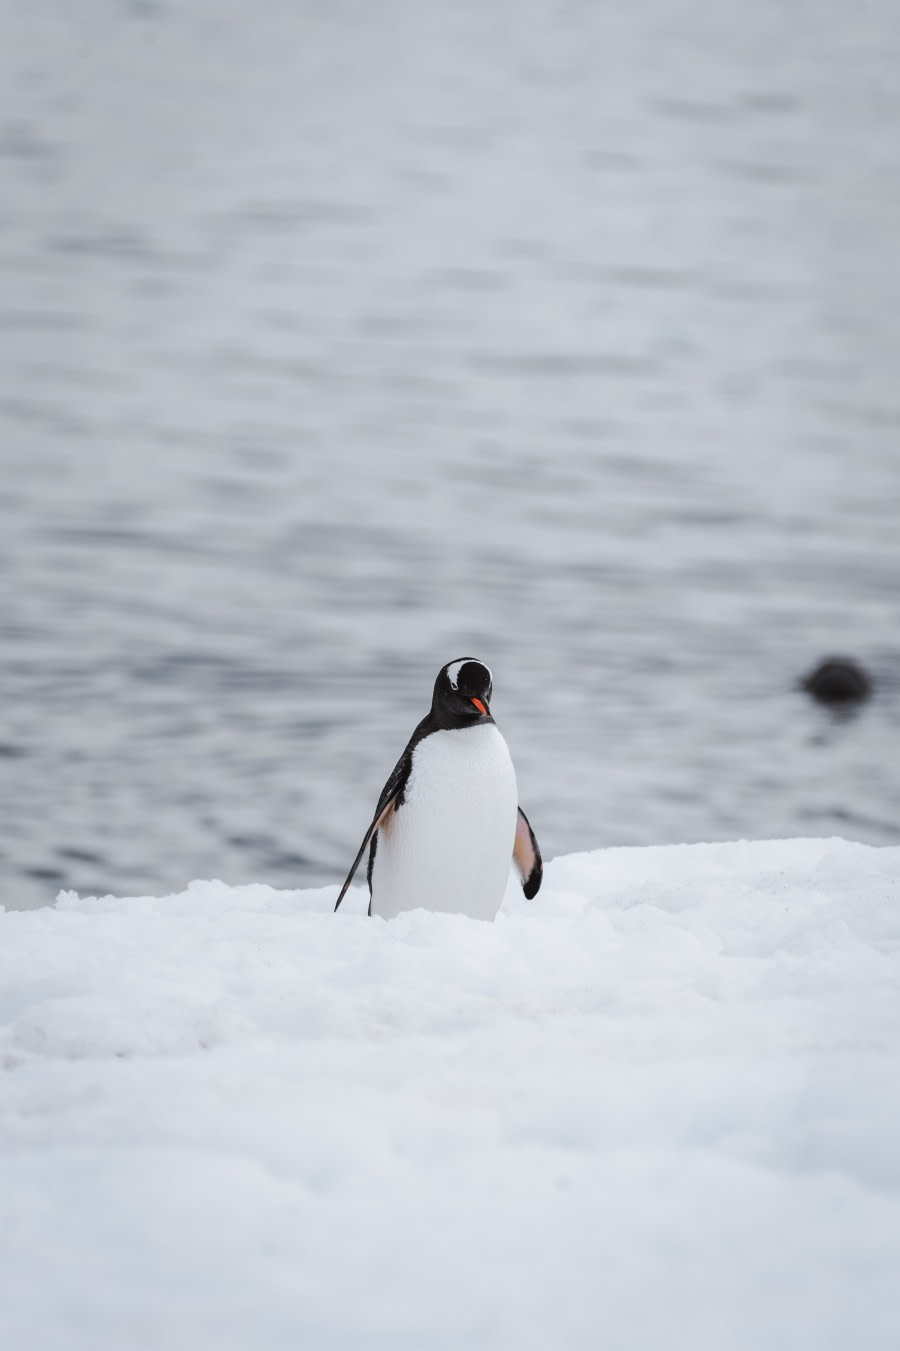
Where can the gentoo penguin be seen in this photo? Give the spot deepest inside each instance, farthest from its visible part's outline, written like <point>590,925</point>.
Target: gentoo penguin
<point>448,822</point>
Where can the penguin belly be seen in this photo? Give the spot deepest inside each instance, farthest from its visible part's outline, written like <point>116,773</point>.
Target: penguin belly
<point>449,845</point>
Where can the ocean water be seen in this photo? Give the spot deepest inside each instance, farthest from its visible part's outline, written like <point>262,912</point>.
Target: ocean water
<point>340,340</point>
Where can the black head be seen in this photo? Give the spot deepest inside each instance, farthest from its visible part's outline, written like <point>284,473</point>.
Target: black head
<point>462,694</point>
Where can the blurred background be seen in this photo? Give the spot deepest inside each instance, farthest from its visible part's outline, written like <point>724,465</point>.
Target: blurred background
<point>338,340</point>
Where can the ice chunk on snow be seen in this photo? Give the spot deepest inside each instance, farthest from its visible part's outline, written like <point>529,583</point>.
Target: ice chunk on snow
<point>658,1106</point>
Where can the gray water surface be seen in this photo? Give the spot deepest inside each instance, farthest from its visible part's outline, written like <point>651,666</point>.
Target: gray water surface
<point>338,341</point>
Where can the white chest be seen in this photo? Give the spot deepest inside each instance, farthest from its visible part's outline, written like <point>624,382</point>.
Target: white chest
<point>449,846</point>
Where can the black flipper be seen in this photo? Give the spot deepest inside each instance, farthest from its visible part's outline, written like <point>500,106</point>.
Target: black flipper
<point>390,799</point>
<point>527,857</point>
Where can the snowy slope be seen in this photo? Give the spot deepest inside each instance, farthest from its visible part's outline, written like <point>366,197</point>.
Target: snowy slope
<point>658,1107</point>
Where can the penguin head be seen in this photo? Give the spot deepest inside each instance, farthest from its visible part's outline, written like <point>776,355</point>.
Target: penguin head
<point>462,693</point>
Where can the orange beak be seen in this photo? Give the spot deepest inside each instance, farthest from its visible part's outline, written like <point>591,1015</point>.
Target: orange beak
<point>479,705</point>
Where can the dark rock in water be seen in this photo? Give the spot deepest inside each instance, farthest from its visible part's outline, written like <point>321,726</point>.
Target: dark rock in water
<point>838,680</point>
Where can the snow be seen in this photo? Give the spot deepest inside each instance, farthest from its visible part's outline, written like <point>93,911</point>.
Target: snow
<point>656,1107</point>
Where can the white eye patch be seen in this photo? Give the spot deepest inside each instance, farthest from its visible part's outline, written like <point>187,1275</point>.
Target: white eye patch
<point>455,667</point>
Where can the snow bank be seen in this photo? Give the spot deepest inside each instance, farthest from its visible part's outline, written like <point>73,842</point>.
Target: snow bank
<point>656,1107</point>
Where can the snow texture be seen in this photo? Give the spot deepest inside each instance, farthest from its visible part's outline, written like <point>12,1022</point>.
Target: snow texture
<point>657,1107</point>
